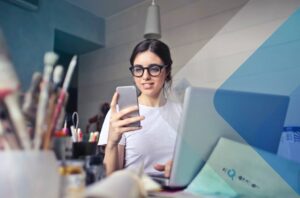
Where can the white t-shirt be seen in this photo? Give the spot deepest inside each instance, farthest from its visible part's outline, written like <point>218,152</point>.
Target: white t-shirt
<point>152,144</point>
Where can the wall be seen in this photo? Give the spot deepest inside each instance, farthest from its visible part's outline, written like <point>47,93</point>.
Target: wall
<point>30,34</point>
<point>27,36</point>
<point>186,26</point>
<point>253,52</point>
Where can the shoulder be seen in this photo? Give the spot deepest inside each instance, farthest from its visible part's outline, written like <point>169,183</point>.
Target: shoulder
<point>104,130</point>
<point>174,105</point>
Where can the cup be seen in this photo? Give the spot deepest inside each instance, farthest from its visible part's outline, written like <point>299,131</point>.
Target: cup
<point>29,174</point>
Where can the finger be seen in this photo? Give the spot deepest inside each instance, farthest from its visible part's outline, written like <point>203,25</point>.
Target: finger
<point>127,121</point>
<point>159,167</point>
<point>129,129</point>
<point>126,111</point>
<point>113,103</point>
<point>170,163</point>
<point>167,170</point>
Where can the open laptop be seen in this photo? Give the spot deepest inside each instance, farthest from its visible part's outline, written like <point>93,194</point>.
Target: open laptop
<point>208,114</point>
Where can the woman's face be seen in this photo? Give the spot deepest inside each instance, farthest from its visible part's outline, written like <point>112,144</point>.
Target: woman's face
<point>147,84</point>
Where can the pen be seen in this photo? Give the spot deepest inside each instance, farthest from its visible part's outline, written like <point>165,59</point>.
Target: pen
<point>74,134</point>
<point>91,136</point>
<point>79,135</point>
<point>96,135</point>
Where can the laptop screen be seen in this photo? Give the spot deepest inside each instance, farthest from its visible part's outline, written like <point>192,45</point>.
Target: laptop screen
<point>252,118</point>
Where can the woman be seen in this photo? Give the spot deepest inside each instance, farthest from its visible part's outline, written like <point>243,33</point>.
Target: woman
<point>152,144</point>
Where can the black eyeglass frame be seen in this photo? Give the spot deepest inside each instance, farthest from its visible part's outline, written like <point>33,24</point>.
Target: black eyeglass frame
<point>147,68</point>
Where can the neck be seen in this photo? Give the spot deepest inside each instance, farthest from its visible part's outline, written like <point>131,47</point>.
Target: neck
<point>152,101</point>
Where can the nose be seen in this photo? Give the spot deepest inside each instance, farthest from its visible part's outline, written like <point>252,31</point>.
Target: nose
<point>146,75</point>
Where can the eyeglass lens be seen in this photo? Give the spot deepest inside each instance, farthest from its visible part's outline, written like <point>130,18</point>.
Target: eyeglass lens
<point>153,70</point>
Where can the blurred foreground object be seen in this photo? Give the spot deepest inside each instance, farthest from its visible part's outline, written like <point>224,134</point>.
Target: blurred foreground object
<point>72,179</point>
<point>9,93</point>
<point>123,183</point>
<point>37,178</point>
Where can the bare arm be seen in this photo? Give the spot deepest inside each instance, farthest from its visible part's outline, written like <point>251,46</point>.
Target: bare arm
<point>114,158</point>
<point>114,153</point>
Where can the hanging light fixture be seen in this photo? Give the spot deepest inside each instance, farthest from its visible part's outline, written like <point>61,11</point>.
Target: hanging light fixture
<point>152,26</point>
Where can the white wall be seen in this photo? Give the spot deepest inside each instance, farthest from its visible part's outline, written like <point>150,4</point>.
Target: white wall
<point>236,42</point>
<point>186,27</point>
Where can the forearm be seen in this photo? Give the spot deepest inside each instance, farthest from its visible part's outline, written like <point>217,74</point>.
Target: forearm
<point>111,158</point>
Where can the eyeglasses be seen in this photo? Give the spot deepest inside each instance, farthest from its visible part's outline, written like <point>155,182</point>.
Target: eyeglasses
<point>153,70</point>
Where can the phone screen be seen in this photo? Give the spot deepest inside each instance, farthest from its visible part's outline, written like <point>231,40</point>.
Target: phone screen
<point>128,98</point>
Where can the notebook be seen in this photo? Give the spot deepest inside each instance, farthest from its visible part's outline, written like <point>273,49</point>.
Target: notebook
<point>238,170</point>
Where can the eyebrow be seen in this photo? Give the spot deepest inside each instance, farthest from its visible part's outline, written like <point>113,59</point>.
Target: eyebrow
<point>153,64</point>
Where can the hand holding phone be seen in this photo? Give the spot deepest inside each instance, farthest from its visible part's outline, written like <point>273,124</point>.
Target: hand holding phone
<point>128,98</point>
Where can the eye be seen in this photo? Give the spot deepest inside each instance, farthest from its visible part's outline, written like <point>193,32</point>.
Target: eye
<point>137,69</point>
<point>154,68</point>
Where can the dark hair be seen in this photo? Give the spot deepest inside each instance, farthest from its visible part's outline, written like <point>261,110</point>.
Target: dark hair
<point>104,108</point>
<point>160,49</point>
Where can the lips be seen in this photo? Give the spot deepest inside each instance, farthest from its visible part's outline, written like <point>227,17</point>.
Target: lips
<point>147,85</point>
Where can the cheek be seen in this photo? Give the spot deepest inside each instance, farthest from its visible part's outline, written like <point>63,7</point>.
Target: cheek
<point>137,82</point>
<point>162,79</point>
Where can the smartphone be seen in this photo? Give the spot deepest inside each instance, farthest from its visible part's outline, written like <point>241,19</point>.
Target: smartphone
<point>128,98</point>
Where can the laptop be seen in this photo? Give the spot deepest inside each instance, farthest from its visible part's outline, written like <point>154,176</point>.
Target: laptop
<point>256,119</point>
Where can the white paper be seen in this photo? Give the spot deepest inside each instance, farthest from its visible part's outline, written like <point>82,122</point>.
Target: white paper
<point>237,170</point>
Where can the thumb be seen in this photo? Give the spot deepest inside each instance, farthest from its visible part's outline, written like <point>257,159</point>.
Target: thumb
<point>114,101</point>
<point>159,167</point>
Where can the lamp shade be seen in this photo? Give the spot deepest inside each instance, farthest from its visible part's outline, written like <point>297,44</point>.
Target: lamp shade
<point>152,26</point>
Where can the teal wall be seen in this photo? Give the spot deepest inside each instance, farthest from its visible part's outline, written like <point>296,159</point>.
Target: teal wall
<point>29,34</point>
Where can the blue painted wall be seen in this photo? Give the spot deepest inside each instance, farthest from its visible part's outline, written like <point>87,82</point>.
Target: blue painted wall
<point>29,34</point>
<point>273,68</point>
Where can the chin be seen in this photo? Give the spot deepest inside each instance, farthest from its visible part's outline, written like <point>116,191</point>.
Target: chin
<point>150,93</point>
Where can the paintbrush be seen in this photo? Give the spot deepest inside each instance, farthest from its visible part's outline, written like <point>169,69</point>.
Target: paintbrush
<point>29,104</point>
<point>57,78</point>
<point>60,103</point>
<point>49,60</point>
<point>9,85</point>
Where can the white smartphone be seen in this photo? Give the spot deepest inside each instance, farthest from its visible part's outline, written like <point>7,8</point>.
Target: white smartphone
<point>128,98</point>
